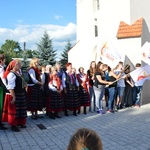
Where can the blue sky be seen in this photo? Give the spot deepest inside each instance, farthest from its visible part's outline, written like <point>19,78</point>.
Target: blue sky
<point>26,21</point>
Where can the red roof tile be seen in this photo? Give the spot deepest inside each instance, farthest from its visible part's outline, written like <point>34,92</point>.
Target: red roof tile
<point>130,31</point>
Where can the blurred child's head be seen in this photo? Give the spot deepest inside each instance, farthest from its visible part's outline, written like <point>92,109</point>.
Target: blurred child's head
<point>85,139</point>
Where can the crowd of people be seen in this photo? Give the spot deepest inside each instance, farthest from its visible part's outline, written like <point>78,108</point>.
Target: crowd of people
<point>61,90</point>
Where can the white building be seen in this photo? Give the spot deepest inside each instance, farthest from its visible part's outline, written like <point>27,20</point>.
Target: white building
<point>125,23</point>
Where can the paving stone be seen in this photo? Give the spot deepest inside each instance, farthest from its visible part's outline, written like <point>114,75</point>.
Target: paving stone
<point>127,129</point>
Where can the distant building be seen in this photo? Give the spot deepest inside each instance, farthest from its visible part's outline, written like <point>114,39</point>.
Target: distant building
<point>125,23</point>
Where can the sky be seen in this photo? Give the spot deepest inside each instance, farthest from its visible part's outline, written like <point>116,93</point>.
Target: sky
<point>26,21</point>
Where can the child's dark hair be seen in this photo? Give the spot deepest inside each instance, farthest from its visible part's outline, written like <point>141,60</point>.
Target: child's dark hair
<point>85,139</point>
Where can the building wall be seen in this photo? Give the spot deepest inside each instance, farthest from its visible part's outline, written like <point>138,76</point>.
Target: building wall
<point>131,47</point>
<point>110,14</point>
<point>108,18</point>
<point>83,53</point>
<point>85,21</point>
<point>140,8</point>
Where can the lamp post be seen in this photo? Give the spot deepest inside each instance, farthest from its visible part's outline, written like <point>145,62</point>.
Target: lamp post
<point>24,46</point>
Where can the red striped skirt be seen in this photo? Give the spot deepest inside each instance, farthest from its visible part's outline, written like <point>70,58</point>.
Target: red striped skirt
<point>9,113</point>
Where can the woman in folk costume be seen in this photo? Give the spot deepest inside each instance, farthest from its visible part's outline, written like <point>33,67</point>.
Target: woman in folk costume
<point>71,90</point>
<point>2,88</point>
<point>83,89</point>
<point>14,111</point>
<point>55,101</point>
<point>46,71</point>
<point>35,92</point>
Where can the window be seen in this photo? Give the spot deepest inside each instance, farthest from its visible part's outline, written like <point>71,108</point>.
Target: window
<point>96,31</point>
<point>97,4</point>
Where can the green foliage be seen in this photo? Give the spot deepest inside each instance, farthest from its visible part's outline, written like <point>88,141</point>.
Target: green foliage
<point>27,53</point>
<point>64,55</point>
<point>11,49</point>
<point>45,51</point>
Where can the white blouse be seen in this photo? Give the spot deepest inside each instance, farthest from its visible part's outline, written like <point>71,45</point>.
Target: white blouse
<point>43,78</point>
<point>11,78</point>
<point>51,87</point>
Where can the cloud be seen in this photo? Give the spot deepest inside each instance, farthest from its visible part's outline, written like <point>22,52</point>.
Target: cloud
<point>57,17</point>
<point>31,34</point>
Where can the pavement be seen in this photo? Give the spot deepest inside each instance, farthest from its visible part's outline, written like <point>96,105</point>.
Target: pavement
<point>128,129</point>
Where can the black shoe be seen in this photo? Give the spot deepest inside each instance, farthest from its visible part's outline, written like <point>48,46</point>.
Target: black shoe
<point>121,106</point>
<point>2,127</point>
<point>66,113</point>
<point>57,116</point>
<point>15,129</point>
<point>52,116</point>
<point>74,113</point>
<point>79,111</point>
<point>112,111</point>
<point>34,117</point>
<point>106,104</point>
<point>22,126</point>
<point>118,107</point>
<point>85,110</point>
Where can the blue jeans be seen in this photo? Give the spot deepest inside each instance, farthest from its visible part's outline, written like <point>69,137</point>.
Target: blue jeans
<point>111,97</point>
<point>137,90</point>
<point>99,93</point>
<point>120,91</point>
<point>92,99</point>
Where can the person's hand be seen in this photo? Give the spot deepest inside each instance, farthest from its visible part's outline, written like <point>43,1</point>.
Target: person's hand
<point>41,83</point>
<point>123,77</point>
<point>92,78</point>
<point>109,83</point>
<point>58,91</point>
<point>13,100</point>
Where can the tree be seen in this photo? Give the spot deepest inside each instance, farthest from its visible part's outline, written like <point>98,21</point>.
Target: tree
<point>11,49</point>
<point>25,55</point>
<point>64,55</point>
<point>45,51</point>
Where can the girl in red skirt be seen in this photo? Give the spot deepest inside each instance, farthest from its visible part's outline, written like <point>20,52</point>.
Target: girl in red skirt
<point>14,111</point>
<point>2,89</point>
<point>83,89</point>
<point>55,100</point>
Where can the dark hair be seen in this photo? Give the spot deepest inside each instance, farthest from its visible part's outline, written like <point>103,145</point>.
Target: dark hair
<point>92,70</point>
<point>127,67</point>
<point>80,69</point>
<point>2,57</point>
<point>138,65</point>
<point>98,65</point>
<point>85,139</point>
<point>109,69</point>
<point>120,62</point>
